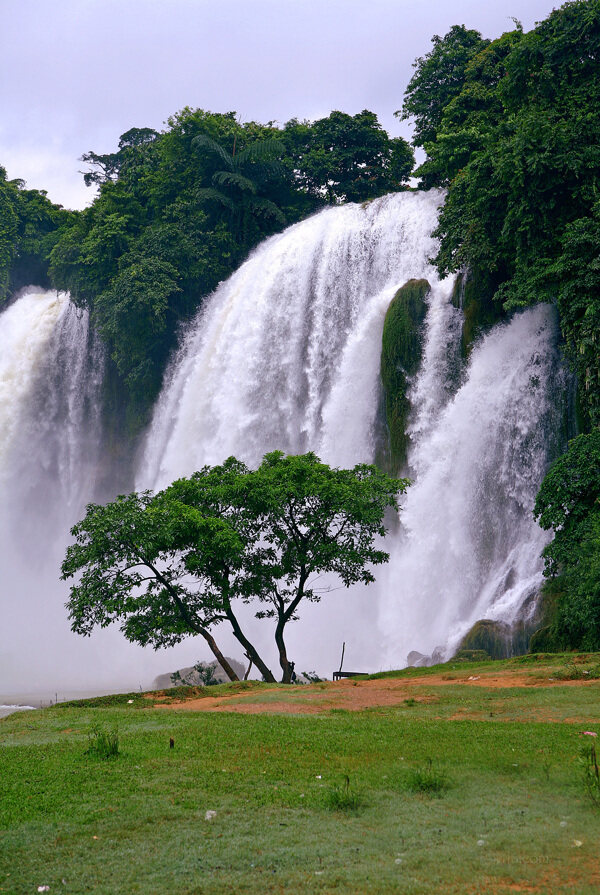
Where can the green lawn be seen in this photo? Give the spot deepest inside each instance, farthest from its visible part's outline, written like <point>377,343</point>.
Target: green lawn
<point>515,816</point>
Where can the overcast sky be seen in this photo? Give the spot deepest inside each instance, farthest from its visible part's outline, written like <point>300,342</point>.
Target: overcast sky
<point>75,74</point>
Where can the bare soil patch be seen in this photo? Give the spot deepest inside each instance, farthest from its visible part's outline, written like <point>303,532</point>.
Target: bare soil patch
<point>352,695</point>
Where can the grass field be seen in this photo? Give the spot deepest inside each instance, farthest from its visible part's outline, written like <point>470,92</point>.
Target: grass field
<point>331,801</point>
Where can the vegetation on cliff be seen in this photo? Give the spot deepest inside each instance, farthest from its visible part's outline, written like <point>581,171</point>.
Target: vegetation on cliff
<point>29,227</point>
<point>400,357</point>
<point>511,128</point>
<point>568,503</point>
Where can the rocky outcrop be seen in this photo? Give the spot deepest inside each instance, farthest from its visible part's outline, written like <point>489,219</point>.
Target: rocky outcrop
<point>490,636</point>
<point>474,298</point>
<point>500,640</point>
<point>190,676</point>
<point>400,358</point>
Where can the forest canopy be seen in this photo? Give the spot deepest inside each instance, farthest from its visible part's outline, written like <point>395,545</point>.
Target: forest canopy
<point>511,129</point>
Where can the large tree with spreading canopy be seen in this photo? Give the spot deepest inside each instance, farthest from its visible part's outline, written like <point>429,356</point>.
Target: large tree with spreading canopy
<point>180,562</point>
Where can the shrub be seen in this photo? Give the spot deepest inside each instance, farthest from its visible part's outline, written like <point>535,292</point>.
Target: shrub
<point>428,779</point>
<point>103,743</point>
<point>591,773</point>
<point>343,797</point>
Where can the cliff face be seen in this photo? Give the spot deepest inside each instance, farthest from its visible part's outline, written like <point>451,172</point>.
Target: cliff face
<point>474,297</point>
<point>400,357</point>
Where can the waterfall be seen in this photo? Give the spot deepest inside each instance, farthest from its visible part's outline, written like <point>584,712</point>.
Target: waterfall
<point>469,547</point>
<point>51,464</point>
<point>286,355</point>
<point>50,378</point>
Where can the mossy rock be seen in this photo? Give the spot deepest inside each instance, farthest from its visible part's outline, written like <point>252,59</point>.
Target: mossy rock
<point>473,294</point>
<point>545,637</point>
<point>544,641</point>
<point>472,655</point>
<point>400,358</point>
<point>490,636</point>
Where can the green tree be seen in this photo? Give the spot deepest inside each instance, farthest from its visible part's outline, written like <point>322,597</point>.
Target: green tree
<point>439,77</point>
<point>239,180</point>
<point>569,493</point>
<point>132,317</point>
<point>177,563</point>
<point>347,158</point>
<point>568,503</point>
<point>29,225</point>
<point>467,122</point>
<point>127,161</point>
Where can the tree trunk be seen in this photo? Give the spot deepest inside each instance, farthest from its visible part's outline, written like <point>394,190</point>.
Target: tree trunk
<point>283,659</point>
<point>219,655</point>
<point>248,647</point>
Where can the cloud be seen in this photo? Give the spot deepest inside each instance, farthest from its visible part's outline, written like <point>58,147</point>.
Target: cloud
<point>74,75</point>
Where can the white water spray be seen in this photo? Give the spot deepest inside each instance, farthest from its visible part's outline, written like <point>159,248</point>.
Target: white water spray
<point>286,354</point>
<point>51,465</point>
<point>469,548</point>
<point>50,377</point>
<point>51,371</point>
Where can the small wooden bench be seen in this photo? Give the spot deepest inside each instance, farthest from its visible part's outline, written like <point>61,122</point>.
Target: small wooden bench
<point>338,675</point>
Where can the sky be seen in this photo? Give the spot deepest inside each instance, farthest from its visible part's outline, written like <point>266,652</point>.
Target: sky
<point>76,74</point>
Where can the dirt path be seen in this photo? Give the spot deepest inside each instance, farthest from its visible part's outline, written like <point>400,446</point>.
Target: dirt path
<point>353,695</point>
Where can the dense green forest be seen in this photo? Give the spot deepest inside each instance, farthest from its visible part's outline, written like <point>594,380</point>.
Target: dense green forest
<point>510,128</point>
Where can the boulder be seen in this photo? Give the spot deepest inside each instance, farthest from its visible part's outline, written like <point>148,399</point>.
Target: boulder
<point>190,676</point>
<point>493,637</point>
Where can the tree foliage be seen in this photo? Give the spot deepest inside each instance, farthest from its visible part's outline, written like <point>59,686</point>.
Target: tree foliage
<point>512,129</point>
<point>29,226</point>
<point>347,158</point>
<point>439,78</point>
<point>568,503</point>
<point>179,562</point>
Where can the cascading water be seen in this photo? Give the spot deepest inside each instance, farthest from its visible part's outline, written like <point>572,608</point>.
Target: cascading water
<point>50,377</point>
<point>51,374</point>
<point>469,547</point>
<point>286,355</point>
<point>51,465</point>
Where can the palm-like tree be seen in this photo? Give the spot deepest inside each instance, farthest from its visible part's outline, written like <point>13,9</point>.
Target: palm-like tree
<point>237,184</point>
